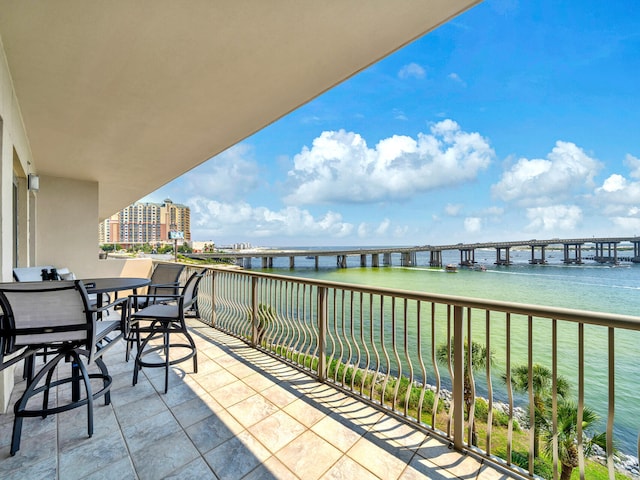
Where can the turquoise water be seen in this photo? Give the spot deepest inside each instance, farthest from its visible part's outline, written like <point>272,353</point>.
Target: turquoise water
<point>587,287</point>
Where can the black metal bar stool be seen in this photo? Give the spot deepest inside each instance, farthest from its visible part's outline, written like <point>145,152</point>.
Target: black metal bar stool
<point>56,316</point>
<point>163,320</point>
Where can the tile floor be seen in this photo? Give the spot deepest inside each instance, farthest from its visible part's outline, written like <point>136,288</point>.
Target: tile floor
<point>244,415</point>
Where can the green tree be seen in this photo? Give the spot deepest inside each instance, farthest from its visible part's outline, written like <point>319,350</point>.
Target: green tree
<point>542,386</point>
<point>479,358</point>
<point>165,249</point>
<point>184,248</point>
<point>568,436</point>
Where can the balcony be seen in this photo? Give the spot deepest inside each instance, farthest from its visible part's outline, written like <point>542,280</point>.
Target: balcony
<point>308,379</point>
<point>243,415</point>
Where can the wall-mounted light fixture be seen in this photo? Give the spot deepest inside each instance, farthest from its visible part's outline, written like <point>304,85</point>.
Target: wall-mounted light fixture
<point>33,182</point>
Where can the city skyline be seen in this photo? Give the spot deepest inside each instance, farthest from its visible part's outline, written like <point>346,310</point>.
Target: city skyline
<point>511,121</point>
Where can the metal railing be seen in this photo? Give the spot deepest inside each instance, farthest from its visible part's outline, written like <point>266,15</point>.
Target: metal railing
<point>447,364</point>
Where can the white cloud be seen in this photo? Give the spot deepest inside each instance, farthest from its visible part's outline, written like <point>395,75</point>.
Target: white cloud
<point>616,193</point>
<point>614,183</point>
<point>634,165</point>
<point>241,220</point>
<point>553,218</point>
<point>472,224</point>
<point>399,115</point>
<point>456,78</point>
<point>383,227</point>
<point>566,171</point>
<point>365,230</point>
<point>493,211</point>
<point>412,70</point>
<point>626,225</point>
<point>453,210</point>
<point>618,198</point>
<point>229,175</point>
<point>401,232</point>
<point>340,167</point>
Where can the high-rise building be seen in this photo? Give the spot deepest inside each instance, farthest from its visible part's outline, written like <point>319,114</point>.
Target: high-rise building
<point>146,223</point>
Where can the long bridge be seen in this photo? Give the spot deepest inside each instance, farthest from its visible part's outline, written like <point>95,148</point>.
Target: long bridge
<point>606,251</point>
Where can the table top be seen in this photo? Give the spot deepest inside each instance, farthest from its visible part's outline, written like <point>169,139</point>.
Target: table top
<point>114,284</point>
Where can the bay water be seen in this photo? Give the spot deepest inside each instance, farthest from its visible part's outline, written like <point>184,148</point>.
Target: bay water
<point>590,286</point>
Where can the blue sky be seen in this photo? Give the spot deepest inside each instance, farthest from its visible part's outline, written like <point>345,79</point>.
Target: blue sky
<point>515,120</point>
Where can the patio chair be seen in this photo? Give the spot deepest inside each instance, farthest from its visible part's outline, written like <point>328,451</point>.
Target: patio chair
<point>56,316</point>
<point>161,321</point>
<point>31,274</point>
<point>165,283</point>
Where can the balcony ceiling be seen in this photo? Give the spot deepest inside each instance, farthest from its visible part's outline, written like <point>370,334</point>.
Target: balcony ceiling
<point>132,94</point>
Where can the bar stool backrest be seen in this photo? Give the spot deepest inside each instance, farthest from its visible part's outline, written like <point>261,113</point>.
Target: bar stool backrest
<point>189,294</point>
<point>165,279</point>
<point>39,314</point>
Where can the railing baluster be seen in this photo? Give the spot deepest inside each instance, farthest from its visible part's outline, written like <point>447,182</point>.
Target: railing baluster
<point>423,368</point>
<point>554,396</point>
<point>532,405</point>
<point>254,311</point>
<point>384,349</point>
<point>374,347</point>
<point>407,356</point>
<point>472,386</point>
<point>340,354</point>
<point>612,401</point>
<point>452,409</point>
<point>489,382</point>
<point>434,364</point>
<point>214,281</point>
<point>322,334</point>
<point>509,388</point>
<point>458,378</point>
<point>356,363</point>
<point>580,398</point>
<point>365,370</point>
<point>349,357</point>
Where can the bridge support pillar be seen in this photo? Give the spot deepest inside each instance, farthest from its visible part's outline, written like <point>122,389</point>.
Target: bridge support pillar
<point>246,263</point>
<point>363,260</point>
<point>267,262</point>
<point>375,260</point>
<point>541,260</point>
<point>386,259</point>
<point>435,258</point>
<point>316,261</point>
<point>577,250</point>
<point>499,259</point>
<point>602,257</point>
<point>467,257</point>
<point>341,261</point>
<point>292,262</point>
<point>636,251</point>
<point>408,259</point>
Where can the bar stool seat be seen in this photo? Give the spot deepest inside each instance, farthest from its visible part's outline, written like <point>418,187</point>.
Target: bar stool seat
<point>163,321</point>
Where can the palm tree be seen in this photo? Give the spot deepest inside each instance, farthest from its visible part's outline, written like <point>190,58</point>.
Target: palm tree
<point>479,357</point>
<point>568,435</point>
<point>542,379</point>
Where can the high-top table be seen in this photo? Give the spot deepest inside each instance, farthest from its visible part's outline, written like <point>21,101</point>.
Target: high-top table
<point>114,284</point>
<point>100,286</point>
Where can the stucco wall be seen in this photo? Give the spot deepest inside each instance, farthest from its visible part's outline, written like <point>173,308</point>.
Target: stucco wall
<point>13,139</point>
<point>67,225</point>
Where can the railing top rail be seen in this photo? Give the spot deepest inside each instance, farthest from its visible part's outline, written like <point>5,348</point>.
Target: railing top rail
<point>557,313</point>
